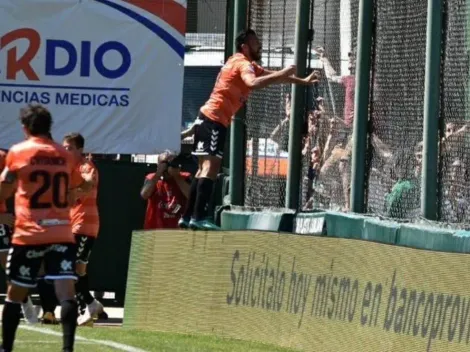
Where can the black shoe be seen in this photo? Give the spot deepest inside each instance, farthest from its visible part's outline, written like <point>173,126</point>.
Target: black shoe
<point>103,316</point>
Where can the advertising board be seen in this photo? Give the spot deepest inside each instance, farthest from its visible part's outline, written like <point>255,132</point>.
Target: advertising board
<point>305,292</point>
<point>110,69</point>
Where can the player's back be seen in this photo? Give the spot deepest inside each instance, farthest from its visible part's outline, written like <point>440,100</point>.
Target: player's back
<point>44,174</point>
<point>230,91</point>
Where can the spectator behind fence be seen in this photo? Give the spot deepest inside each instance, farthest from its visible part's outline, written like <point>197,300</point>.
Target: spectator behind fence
<point>456,201</point>
<point>349,83</point>
<point>404,197</point>
<point>280,134</point>
<point>314,125</point>
<point>334,173</point>
<point>336,152</point>
<point>166,192</point>
<point>453,143</point>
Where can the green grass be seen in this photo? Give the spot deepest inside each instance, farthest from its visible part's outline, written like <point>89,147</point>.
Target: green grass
<point>30,341</point>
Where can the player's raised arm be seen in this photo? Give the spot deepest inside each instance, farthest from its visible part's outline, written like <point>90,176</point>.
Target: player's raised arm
<point>80,183</point>
<point>312,78</point>
<point>88,184</point>
<point>249,77</point>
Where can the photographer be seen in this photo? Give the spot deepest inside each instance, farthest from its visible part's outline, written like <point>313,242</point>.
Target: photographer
<point>166,192</point>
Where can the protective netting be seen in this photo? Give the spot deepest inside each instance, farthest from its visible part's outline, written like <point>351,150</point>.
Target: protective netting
<point>455,155</point>
<point>334,41</point>
<point>397,94</point>
<point>267,123</point>
<point>325,157</point>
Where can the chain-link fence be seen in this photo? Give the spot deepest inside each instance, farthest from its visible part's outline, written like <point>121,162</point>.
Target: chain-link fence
<point>455,143</point>
<point>268,110</point>
<point>395,135</point>
<point>327,133</point>
<point>334,41</point>
<point>396,108</point>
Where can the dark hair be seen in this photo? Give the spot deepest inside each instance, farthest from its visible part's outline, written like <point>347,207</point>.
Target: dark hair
<point>36,119</point>
<point>242,38</point>
<point>75,138</point>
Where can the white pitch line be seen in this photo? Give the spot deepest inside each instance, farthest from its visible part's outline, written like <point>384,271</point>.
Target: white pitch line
<point>118,346</point>
<point>44,342</point>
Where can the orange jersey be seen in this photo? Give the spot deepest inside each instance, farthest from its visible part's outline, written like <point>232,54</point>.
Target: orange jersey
<point>44,172</point>
<point>84,214</point>
<point>3,207</point>
<point>230,91</point>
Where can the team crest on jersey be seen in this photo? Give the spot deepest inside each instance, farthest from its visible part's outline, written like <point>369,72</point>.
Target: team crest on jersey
<point>66,265</point>
<point>25,272</point>
<point>200,146</point>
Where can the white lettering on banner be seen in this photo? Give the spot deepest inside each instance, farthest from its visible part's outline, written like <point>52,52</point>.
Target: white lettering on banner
<point>96,79</point>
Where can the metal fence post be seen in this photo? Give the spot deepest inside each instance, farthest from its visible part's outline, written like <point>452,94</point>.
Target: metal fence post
<point>298,106</point>
<point>228,51</point>
<point>361,111</point>
<point>429,196</point>
<point>237,147</point>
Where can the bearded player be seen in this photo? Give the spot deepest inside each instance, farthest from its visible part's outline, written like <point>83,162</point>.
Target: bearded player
<point>237,78</point>
<point>41,174</point>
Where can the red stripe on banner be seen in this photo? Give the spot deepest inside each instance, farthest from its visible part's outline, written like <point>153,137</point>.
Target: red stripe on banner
<point>168,10</point>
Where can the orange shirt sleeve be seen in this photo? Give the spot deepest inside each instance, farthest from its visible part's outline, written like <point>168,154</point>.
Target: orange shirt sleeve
<point>250,68</point>
<point>11,161</point>
<point>12,164</point>
<point>246,69</point>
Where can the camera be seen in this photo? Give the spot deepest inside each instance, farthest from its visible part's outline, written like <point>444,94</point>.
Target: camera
<point>185,162</point>
<point>177,162</point>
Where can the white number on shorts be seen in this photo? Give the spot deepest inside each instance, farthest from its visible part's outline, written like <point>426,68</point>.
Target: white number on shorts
<point>3,230</point>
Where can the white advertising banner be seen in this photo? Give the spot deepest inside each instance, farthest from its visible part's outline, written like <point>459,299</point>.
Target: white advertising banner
<point>109,69</point>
